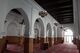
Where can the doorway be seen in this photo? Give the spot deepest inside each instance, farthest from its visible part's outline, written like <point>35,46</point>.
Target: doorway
<point>68,36</point>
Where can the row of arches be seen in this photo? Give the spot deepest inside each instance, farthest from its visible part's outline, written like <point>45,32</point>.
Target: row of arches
<point>18,24</point>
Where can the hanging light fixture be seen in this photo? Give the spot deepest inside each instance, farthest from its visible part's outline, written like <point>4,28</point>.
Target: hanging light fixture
<point>56,24</point>
<point>43,13</point>
<point>61,27</point>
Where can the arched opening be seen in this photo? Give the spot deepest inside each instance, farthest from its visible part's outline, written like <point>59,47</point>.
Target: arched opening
<point>68,36</point>
<point>54,39</point>
<point>48,32</point>
<point>38,30</point>
<point>16,22</point>
<point>16,28</point>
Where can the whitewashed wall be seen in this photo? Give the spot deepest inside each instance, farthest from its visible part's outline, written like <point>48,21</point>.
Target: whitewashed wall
<point>31,9</point>
<point>12,26</point>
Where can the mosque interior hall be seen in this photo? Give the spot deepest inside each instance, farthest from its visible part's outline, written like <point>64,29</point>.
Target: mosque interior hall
<point>39,26</point>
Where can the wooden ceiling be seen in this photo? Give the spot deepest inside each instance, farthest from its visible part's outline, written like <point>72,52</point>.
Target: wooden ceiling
<point>61,10</point>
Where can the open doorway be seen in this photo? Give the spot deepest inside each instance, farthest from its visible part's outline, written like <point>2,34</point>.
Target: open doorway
<point>68,36</point>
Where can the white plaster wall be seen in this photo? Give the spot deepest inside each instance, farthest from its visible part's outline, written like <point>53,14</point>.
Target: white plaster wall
<point>12,29</point>
<point>77,16</point>
<point>46,20</point>
<point>12,21</point>
<point>30,7</point>
<point>59,31</point>
<point>7,5</point>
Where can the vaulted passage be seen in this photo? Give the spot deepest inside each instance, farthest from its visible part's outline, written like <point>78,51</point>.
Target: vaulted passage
<point>39,26</point>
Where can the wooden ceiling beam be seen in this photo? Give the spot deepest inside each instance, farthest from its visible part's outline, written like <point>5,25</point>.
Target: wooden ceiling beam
<point>55,2</point>
<point>60,9</point>
<point>66,14</point>
<point>62,13</point>
<point>57,10</point>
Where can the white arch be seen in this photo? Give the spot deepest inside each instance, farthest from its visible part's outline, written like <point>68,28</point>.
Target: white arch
<point>26,21</point>
<point>49,30</point>
<point>68,32</point>
<point>40,26</point>
<point>37,29</point>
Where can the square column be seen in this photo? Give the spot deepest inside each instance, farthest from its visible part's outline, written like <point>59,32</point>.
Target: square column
<point>50,41</point>
<point>28,45</point>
